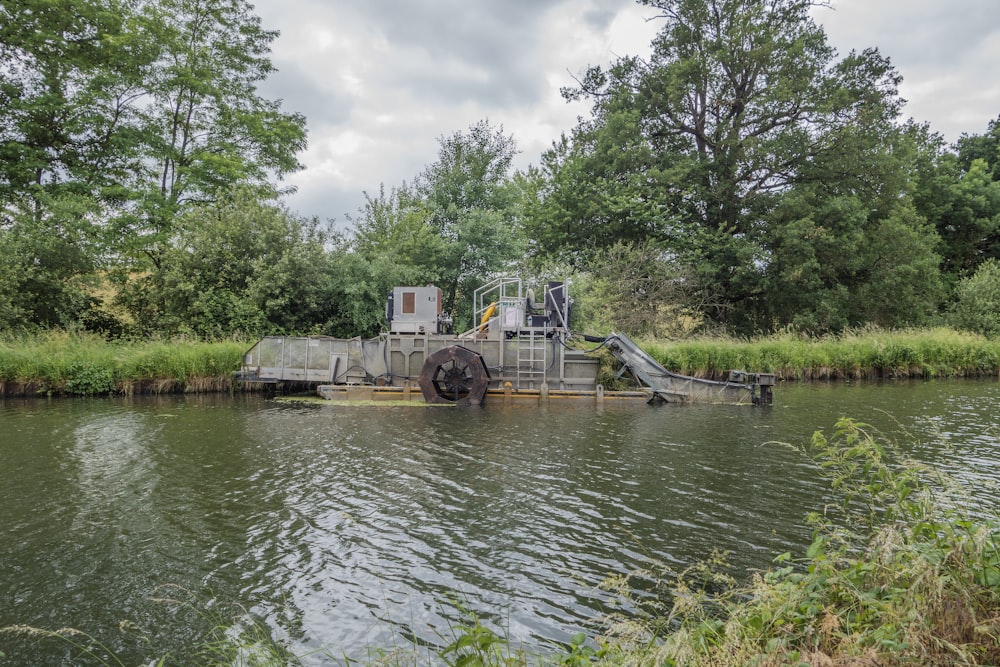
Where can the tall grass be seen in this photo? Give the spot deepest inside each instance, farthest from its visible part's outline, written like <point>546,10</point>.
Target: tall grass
<point>865,353</point>
<point>82,364</point>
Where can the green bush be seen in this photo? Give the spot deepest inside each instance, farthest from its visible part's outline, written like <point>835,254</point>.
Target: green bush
<point>977,307</point>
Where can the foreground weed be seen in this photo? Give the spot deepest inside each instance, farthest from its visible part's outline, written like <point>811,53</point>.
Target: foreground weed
<point>897,573</point>
<point>477,645</point>
<point>238,639</point>
<point>82,646</point>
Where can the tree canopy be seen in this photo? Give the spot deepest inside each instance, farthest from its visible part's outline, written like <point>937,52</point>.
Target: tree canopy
<point>725,147</point>
<point>117,115</point>
<point>744,176</point>
<point>456,225</point>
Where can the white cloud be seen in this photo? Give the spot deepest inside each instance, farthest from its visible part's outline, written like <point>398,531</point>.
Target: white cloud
<point>380,82</point>
<point>946,52</point>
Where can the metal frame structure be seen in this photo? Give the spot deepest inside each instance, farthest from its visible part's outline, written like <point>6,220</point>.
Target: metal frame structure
<point>507,349</point>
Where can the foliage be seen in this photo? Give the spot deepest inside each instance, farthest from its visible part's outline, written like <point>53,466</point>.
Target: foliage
<point>977,307</point>
<point>899,575</point>
<point>477,645</point>
<point>959,193</point>
<point>457,224</point>
<point>639,289</point>
<point>205,127</point>
<point>117,116</point>
<point>394,226</point>
<point>48,260</point>
<point>746,177</point>
<point>361,290</point>
<point>68,71</point>
<point>836,262</point>
<point>985,147</point>
<point>748,150</point>
<point>238,266</point>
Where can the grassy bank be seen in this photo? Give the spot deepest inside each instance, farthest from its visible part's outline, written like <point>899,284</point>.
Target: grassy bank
<point>58,363</point>
<point>865,354</point>
<point>74,364</point>
<point>905,570</point>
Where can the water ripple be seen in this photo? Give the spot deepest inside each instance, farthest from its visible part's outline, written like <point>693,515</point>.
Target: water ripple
<point>352,527</point>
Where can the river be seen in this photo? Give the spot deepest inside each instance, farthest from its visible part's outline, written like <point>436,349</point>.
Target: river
<point>347,528</point>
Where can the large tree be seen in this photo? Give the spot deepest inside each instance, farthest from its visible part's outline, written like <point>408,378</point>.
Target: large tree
<point>741,102</point>
<point>960,193</point>
<point>846,244</point>
<point>205,127</point>
<point>69,76</point>
<point>469,201</point>
<point>457,225</point>
<point>116,115</point>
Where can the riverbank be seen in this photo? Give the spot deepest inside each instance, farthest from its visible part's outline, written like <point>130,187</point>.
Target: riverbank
<point>866,354</point>
<point>63,364</point>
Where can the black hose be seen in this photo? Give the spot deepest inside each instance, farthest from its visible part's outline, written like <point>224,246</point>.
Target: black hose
<point>593,339</point>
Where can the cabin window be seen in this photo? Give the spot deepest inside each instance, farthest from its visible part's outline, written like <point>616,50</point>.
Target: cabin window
<point>409,302</point>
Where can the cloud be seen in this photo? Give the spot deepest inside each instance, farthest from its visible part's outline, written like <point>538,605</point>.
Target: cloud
<point>945,51</point>
<point>380,82</point>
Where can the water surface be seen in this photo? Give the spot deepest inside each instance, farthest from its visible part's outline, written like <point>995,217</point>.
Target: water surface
<point>344,528</point>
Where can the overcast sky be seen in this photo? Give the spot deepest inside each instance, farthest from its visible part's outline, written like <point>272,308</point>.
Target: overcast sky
<point>380,81</point>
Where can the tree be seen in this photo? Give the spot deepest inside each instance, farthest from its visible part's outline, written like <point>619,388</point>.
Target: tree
<point>642,290</point>
<point>846,243</point>
<point>457,225</point>
<point>469,202</point>
<point>68,74</point>
<point>117,115</point>
<point>978,304</point>
<point>237,265</point>
<point>697,147</point>
<point>985,147</point>
<point>206,129</point>
<point>394,226</point>
<point>959,191</point>
<point>47,265</point>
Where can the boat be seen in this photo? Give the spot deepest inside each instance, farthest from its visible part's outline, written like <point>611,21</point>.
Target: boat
<point>519,346</point>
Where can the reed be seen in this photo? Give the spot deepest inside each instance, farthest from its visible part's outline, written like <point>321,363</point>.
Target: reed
<point>60,363</point>
<point>860,354</point>
<point>57,363</point>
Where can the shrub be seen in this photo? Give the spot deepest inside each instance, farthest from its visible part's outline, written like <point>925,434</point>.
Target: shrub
<point>977,307</point>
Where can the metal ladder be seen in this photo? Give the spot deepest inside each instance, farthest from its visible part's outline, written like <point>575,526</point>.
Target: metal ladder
<point>531,359</point>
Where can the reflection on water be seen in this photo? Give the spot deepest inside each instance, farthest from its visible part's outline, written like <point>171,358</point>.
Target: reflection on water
<point>351,527</point>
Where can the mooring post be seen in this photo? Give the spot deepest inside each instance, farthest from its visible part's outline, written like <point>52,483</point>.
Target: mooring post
<point>543,393</point>
<point>507,392</point>
<point>600,394</point>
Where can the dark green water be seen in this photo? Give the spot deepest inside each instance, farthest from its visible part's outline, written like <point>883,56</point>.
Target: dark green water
<point>344,528</point>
